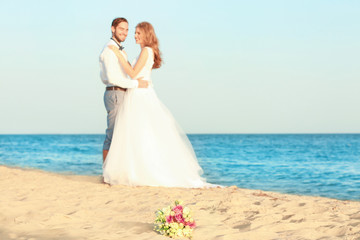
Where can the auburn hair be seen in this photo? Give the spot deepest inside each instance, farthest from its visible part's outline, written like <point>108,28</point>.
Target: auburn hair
<point>150,40</point>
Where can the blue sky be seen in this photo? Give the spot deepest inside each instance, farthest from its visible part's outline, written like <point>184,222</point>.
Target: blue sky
<point>229,67</point>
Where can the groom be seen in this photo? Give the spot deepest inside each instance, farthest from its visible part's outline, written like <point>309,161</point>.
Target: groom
<point>114,77</point>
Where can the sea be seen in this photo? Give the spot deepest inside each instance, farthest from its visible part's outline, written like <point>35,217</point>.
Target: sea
<point>326,165</point>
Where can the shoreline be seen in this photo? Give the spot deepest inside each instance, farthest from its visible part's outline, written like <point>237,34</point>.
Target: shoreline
<point>97,178</point>
<point>36,204</point>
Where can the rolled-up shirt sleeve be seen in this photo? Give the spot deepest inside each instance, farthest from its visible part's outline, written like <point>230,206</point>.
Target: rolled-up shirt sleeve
<point>112,71</point>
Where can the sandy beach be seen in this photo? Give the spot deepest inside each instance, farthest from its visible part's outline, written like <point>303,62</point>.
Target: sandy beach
<point>41,205</point>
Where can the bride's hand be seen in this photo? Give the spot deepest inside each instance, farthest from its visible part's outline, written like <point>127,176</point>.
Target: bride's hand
<point>114,49</point>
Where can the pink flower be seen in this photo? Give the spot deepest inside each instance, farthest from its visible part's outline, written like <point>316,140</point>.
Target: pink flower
<point>178,209</point>
<point>169,219</point>
<point>191,224</point>
<point>179,218</point>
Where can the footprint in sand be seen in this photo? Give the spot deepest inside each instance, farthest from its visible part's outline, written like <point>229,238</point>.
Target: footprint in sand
<point>243,227</point>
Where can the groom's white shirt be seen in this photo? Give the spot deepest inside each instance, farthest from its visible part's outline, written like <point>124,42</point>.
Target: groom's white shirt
<point>111,71</point>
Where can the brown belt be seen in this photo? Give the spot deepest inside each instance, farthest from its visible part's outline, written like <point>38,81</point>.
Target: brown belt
<point>115,88</point>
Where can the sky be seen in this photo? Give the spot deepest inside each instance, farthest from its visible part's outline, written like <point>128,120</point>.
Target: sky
<point>229,66</point>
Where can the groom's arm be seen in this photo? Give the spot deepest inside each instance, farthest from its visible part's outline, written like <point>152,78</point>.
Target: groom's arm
<point>113,71</point>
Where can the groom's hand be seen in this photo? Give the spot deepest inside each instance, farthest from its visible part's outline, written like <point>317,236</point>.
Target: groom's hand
<point>142,83</point>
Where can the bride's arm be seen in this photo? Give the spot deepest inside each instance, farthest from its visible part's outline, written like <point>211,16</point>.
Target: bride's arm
<point>132,72</point>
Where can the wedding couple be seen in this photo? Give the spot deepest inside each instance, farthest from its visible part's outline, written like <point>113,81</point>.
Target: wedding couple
<point>144,146</point>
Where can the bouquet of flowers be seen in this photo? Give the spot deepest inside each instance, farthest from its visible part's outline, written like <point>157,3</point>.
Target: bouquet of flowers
<point>175,221</point>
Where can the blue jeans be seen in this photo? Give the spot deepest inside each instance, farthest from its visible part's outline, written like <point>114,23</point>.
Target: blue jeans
<point>112,100</point>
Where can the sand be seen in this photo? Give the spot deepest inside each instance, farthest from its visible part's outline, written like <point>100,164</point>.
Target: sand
<point>41,205</point>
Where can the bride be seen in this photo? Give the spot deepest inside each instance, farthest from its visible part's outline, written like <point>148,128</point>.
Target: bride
<point>148,147</point>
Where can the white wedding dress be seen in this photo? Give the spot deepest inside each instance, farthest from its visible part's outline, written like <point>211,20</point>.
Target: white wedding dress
<point>148,147</point>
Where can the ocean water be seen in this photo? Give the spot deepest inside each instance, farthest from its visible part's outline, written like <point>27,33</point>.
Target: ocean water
<point>325,165</point>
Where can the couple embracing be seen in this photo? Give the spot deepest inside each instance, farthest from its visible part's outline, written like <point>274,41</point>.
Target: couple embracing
<point>144,145</point>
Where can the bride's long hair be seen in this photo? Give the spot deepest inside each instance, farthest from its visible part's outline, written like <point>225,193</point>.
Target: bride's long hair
<point>150,40</point>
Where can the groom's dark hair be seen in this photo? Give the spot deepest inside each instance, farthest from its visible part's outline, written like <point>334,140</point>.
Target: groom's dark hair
<point>117,21</point>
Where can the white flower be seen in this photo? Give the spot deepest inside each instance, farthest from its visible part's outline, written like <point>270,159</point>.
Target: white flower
<point>179,233</point>
<point>186,210</point>
<point>166,211</point>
